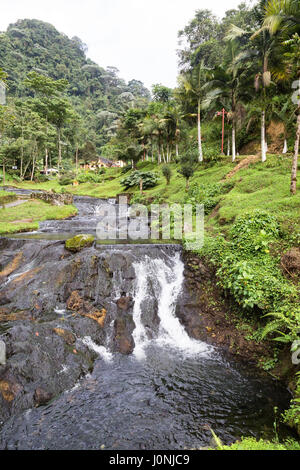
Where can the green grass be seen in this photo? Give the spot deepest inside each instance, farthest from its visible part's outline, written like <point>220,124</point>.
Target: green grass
<point>6,197</point>
<point>250,443</point>
<point>26,216</point>
<point>111,186</point>
<point>262,187</point>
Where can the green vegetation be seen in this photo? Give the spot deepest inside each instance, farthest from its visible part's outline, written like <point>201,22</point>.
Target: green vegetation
<point>63,110</point>
<point>25,217</point>
<point>79,242</point>
<point>146,179</point>
<point>6,197</point>
<point>250,443</point>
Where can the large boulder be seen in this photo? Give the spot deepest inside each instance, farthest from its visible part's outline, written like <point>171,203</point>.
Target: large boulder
<point>79,242</point>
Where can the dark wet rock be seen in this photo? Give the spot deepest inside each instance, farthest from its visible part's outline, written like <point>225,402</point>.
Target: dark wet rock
<point>66,335</point>
<point>42,397</point>
<point>84,308</point>
<point>149,309</point>
<point>40,358</point>
<point>79,242</point>
<point>125,303</point>
<point>54,198</point>
<point>123,329</point>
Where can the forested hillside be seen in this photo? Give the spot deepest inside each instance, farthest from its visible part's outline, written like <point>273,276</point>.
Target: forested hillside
<point>226,137</point>
<point>98,95</point>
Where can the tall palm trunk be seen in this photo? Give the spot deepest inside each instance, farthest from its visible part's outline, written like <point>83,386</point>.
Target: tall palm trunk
<point>285,147</point>
<point>199,132</point>
<point>46,149</point>
<point>46,160</point>
<point>22,152</point>
<point>263,137</point>
<point>76,157</point>
<point>233,142</point>
<point>295,159</point>
<point>228,144</point>
<point>3,170</point>
<point>59,150</point>
<point>163,154</point>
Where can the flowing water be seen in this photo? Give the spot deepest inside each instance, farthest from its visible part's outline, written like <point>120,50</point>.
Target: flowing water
<point>167,395</point>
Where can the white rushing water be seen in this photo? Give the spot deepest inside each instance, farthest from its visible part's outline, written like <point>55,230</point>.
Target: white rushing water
<point>165,281</point>
<point>100,350</point>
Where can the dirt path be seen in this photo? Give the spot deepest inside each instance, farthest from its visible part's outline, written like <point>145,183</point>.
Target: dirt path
<point>243,164</point>
<point>15,203</point>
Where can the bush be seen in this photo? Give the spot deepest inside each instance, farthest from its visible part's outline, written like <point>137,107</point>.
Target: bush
<point>207,194</point>
<point>149,178</point>
<point>89,177</point>
<point>167,172</point>
<point>66,179</point>
<point>126,169</point>
<point>245,267</point>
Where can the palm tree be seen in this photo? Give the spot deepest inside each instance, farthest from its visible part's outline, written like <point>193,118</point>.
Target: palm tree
<point>284,15</point>
<point>195,84</point>
<point>264,46</point>
<point>230,82</point>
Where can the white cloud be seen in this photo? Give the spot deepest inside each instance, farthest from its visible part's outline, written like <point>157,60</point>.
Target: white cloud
<point>139,37</point>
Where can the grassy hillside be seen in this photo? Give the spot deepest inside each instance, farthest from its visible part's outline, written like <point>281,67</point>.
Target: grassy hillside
<point>264,186</point>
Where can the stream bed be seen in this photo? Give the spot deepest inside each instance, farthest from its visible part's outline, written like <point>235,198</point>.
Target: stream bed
<point>169,392</point>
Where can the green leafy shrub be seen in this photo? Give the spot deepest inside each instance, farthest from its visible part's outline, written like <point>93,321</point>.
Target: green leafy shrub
<point>126,169</point>
<point>66,179</point>
<point>207,194</point>
<point>149,178</point>
<point>250,443</point>
<point>167,172</point>
<point>89,177</point>
<point>245,267</point>
<point>292,415</point>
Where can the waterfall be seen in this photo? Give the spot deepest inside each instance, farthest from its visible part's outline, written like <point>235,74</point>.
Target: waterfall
<point>164,279</point>
<point>102,351</point>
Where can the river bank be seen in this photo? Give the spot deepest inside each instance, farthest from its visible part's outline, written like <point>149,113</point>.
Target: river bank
<point>66,315</point>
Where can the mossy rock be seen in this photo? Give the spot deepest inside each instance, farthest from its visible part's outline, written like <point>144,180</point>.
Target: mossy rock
<point>79,242</point>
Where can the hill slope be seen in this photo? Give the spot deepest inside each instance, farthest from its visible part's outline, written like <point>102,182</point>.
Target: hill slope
<point>98,94</point>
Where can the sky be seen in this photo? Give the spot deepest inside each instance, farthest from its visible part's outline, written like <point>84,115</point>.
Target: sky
<point>139,37</point>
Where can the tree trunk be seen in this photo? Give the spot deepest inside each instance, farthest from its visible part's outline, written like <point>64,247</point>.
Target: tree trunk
<point>3,166</point>
<point>233,142</point>
<point>22,153</point>
<point>46,161</point>
<point>285,147</point>
<point>33,167</point>
<point>59,150</point>
<point>187,184</point>
<point>263,137</point>
<point>159,151</point>
<point>163,154</point>
<point>177,150</point>
<point>228,145</point>
<point>76,157</point>
<point>199,133</point>
<point>295,159</point>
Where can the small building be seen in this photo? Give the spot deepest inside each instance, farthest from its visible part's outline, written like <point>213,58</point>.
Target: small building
<point>102,163</point>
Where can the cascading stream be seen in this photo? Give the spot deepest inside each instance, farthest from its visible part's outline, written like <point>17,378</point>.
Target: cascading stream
<point>163,278</point>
